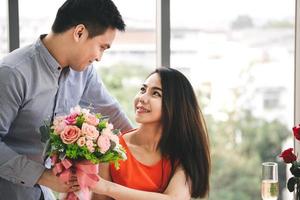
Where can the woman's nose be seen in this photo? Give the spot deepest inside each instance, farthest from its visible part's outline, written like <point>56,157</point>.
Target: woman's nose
<point>143,98</point>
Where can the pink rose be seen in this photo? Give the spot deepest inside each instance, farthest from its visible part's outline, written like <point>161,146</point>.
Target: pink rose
<point>90,132</point>
<point>103,143</point>
<point>58,120</point>
<point>90,145</point>
<point>114,138</point>
<point>85,111</point>
<point>107,131</point>
<point>60,127</point>
<point>59,124</point>
<point>110,126</point>
<point>70,134</point>
<point>91,149</point>
<point>75,110</point>
<point>71,119</point>
<point>81,141</point>
<point>91,119</point>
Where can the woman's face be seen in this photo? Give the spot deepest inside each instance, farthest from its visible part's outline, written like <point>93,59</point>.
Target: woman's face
<point>148,102</point>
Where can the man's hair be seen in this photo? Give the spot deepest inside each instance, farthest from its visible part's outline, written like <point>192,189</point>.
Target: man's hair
<point>96,15</point>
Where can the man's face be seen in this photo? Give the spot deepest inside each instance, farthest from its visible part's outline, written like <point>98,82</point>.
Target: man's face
<point>88,50</point>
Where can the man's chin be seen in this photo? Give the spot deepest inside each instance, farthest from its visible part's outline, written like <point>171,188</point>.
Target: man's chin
<point>80,68</point>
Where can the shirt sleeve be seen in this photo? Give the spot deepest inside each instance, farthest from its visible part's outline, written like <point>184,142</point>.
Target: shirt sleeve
<point>96,94</point>
<point>13,166</point>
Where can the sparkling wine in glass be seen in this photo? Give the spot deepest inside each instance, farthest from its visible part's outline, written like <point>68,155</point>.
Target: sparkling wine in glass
<point>269,185</point>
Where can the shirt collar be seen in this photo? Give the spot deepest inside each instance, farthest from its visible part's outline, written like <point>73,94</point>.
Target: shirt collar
<point>50,60</point>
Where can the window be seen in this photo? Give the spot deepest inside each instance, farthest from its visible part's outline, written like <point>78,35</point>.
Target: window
<point>33,24</point>
<point>271,98</point>
<point>240,60</point>
<point>124,67</point>
<point>239,56</point>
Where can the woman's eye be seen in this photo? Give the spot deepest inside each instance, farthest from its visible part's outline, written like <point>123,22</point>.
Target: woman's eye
<point>156,94</point>
<point>142,90</point>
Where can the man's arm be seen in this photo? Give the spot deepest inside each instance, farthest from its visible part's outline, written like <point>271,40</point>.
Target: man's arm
<point>13,166</point>
<point>96,94</point>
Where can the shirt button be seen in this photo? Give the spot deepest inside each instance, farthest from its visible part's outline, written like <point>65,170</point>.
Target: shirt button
<point>22,182</point>
<point>59,68</point>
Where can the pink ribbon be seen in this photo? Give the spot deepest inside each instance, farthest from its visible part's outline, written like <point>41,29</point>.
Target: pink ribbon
<point>86,172</point>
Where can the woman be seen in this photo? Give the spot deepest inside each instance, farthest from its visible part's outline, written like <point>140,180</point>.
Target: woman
<point>168,154</point>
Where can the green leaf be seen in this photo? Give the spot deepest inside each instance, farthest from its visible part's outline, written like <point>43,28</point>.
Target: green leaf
<point>72,151</point>
<point>102,125</point>
<point>295,170</point>
<point>98,115</point>
<point>79,120</point>
<point>116,131</point>
<point>45,130</point>
<point>117,164</point>
<point>55,144</point>
<point>291,184</point>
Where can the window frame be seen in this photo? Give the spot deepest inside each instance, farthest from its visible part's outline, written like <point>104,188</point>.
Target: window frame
<point>163,30</point>
<point>163,44</point>
<point>297,73</point>
<point>13,25</point>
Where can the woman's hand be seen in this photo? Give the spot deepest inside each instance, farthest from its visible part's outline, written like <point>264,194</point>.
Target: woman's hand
<point>101,186</point>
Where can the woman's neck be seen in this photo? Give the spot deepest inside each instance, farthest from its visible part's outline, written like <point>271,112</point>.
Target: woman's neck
<point>148,137</point>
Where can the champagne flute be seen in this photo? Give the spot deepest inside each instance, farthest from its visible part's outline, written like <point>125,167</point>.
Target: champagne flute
<point>269,185</point>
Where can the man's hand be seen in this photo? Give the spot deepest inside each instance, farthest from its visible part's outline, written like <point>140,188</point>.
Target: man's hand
<point>51,181</point>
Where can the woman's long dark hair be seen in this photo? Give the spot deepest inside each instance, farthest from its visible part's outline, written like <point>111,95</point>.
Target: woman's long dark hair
<point>184,139</point>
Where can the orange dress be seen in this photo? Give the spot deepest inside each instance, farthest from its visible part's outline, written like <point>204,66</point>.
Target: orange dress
<point>136,175</point>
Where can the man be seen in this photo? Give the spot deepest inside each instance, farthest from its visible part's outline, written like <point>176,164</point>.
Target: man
<point>46,79</point>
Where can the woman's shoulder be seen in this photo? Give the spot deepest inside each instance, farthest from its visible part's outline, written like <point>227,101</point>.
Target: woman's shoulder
<point>128,132</point>
<point>127,135</point>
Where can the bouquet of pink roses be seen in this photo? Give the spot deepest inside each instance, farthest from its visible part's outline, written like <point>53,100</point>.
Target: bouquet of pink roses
<point>78,142</point>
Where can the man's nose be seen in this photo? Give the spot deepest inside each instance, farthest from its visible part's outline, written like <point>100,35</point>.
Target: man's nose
<point>99,57</point>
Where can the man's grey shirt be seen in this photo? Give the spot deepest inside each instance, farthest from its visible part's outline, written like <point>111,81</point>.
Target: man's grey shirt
<point>33,88</point>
